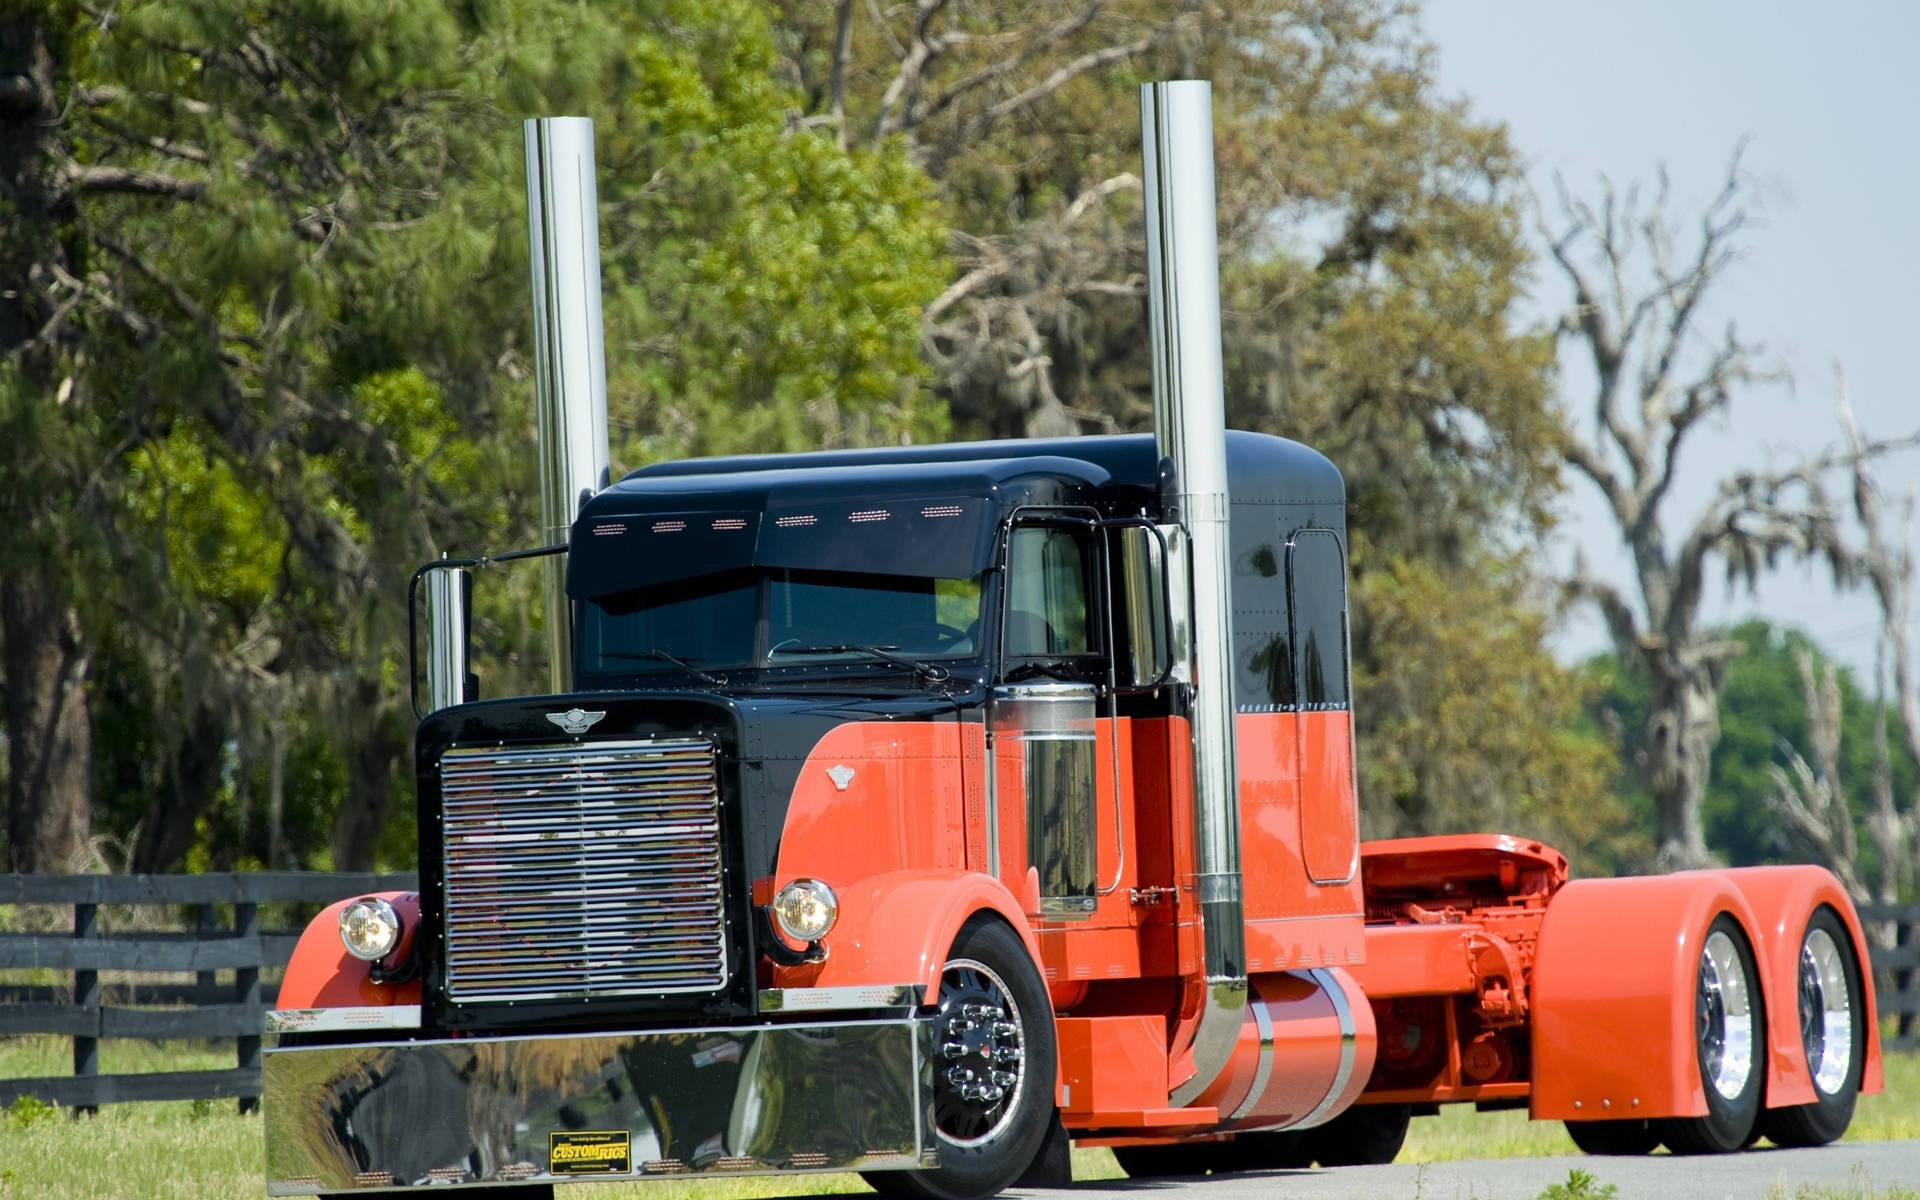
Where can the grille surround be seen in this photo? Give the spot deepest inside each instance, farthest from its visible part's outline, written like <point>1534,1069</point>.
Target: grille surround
<point>580,870</point>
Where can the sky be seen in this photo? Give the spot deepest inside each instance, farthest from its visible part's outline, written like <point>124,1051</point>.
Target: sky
<point>1827,96</point>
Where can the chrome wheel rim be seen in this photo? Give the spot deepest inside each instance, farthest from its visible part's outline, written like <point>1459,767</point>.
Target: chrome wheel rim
<point>1723,1016</point>
<point>1826,1012</point>
<point>980,1068</point>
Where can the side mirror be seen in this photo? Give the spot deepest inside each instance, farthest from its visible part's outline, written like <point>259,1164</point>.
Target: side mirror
<point>449,607</point>
<point>1153,606</point>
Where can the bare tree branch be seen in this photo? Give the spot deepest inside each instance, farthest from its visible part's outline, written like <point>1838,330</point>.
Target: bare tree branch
<point>130,181</point>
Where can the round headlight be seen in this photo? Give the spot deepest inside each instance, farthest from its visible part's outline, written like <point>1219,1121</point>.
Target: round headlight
<point>369,928</point>
<point>805,909</point>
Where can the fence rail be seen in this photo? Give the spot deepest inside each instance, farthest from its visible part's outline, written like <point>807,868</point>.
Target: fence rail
<point>1898,970</point>
<point>156,1011</point>
<point>205,1009</point>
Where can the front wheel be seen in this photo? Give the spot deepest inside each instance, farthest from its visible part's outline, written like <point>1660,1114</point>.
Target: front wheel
<point>1833,1034</point>
<point>1615,1138</point>
<point>993,1070</point>
<point>1729,1034</point>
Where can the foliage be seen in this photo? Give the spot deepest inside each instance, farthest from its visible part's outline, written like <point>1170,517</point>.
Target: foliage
<point>1372,255</point>
<point>1476,728</point>
<point>290,342</point>
<point>1580,1185</point>
<point>1763,720</point>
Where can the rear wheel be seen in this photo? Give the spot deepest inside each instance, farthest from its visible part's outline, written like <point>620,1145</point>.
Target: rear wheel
<point>1729,1032</point>
<point>1617,1138</point>
<point>993,1070</point>
<point>1833,1034</point>
<point>1360,1136</point>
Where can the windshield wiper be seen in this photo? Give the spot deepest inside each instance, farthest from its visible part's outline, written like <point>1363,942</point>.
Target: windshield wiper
<point>663,656</point>
<point>932,671</point>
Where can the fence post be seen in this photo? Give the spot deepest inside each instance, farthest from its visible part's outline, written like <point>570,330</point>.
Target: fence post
<point>1903,978</point>
<point>86,995</point>
<point>204,924</point>
<point>246,989</point>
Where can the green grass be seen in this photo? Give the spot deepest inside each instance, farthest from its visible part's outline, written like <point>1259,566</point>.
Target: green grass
<point>207,1151</point>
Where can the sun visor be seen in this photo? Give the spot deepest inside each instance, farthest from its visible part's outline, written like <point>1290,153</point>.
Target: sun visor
<point>947,538</point>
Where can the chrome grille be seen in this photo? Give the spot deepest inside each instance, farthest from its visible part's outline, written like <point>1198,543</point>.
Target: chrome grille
<point>583,870</point>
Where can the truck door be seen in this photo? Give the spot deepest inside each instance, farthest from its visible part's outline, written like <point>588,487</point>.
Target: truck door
<point>1317,594</point>
<point>1050,721</point>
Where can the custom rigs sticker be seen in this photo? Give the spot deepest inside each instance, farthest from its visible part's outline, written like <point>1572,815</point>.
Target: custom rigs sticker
<point>590,1152</point>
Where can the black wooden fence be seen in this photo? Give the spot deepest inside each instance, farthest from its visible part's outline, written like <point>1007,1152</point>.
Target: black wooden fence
<point>1898,970</point>
<point>203,1009</point>
<point>162,1008</point>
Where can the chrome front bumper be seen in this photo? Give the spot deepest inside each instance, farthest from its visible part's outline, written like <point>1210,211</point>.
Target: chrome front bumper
<point>740,1101</point>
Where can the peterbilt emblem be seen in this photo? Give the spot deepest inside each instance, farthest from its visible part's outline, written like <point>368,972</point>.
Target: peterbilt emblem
<point>576,720</point>
<point>841,775</point>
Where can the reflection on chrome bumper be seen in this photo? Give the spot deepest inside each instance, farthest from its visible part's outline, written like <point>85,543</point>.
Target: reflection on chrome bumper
<point>744,1101</point>
<point>820,999</point>
<point>332,1020</point>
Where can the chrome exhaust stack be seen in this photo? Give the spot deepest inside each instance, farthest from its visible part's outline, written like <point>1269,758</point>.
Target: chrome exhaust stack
<point>569,350</point>
<point>1189,422</point>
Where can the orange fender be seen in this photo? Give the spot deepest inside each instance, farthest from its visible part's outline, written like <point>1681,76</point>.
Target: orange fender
<point>897,927</point>
<point>321,974</point>
<point>1784,899</point>
<point>1613,995</point>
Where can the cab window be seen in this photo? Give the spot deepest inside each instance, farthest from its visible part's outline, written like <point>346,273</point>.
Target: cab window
<point>1048,571</point>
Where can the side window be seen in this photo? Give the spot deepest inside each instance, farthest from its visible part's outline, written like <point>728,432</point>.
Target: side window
<point>1047,577</point>
<point>1317,580</point>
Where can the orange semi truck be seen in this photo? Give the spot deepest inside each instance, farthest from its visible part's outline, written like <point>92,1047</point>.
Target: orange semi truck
<point>922,811</point>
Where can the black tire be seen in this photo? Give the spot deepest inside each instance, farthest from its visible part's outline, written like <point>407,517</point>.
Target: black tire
<point>1282,1150</point>
<point>1362,1136</point>
<point>1828,1116</point>
<point>1276,1151</point>
<point>986,1142</point>
<point>1726,982</point>
<point>1191,1158</point>
<point>1614,1138</point>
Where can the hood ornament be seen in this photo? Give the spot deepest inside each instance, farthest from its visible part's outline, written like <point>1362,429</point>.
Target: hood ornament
<point>841,775</point>
<point>576,720</point>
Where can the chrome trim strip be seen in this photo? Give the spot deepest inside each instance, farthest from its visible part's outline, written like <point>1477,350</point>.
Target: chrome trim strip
<point>817,999</point>
<point>993,801</point>
<point>1264,1024</point>
<point>329,1020</point>
<point>1331,985</point>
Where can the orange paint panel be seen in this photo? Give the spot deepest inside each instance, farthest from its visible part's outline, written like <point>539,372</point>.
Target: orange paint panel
<point>1329,805</point>
<point>1784,900</point>
<point>904,806</point>
<point>321,974</point>
<point>1110,1064</point>
<point>1612,1026</point>
<point>1292,922</point>
<point>1418,960</point>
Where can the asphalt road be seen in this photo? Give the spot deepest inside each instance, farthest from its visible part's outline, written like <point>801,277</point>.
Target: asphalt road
<point>1854,1169</point>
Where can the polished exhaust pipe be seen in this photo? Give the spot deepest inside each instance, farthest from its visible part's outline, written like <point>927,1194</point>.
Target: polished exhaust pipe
<point>569,350</point>
<point>1189,425</point>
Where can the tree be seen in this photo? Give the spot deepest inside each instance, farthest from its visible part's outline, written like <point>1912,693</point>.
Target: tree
<point>1790,718</point>
<point>1639,304</point>
<point>1372,254</point>
<point>266,278</point>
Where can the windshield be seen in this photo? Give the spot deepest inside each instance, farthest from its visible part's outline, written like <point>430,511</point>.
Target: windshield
<point>758,617</point>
